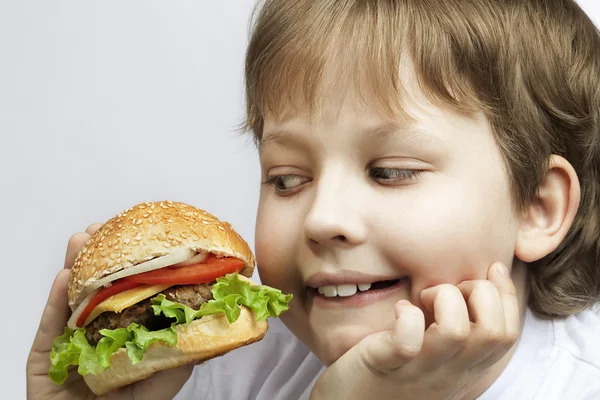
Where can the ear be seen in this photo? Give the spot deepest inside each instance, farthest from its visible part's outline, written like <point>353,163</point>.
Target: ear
<point>548,218</point>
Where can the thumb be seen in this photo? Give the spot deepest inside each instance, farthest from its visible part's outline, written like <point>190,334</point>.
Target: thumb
<point>389,350</point>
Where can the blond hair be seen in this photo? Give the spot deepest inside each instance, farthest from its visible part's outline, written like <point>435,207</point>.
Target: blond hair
<point>531,66</point>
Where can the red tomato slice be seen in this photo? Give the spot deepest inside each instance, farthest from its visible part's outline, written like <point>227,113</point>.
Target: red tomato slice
<point>116,287</point>
<point>207,271</point>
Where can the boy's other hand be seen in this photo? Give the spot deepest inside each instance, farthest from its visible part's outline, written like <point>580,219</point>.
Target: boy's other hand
<point>476,324</point>
<point>163,385</point>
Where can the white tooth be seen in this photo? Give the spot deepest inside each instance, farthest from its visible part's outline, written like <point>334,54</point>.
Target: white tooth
<point>330,291</point>
<point>321,290</point>
<point>346,290</point>
<point>364,286</point>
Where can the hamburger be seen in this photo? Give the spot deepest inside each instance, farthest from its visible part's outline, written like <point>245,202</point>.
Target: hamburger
<point>160,285</point>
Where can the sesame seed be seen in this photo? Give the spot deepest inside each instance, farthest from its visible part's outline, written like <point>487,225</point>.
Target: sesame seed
<point>220,228</point>
<point>195,237</point>
<point>126,241</point>
<point>166,245</point>
<point>146,215</point>
<point>204,235</point>
<point>138,222</point>
<point>118,235</point>
<point>183,235</point>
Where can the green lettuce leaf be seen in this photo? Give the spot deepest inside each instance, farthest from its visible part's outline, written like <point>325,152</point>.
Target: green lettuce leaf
<point>72,348</point>
<point>143,338</point>
<point>230,292</point>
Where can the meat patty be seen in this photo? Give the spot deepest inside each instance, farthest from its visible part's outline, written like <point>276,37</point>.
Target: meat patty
<point>142,314</point>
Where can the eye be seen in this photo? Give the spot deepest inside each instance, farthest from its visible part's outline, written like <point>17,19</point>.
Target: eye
<point>285,184</point>
<point>394,176</point>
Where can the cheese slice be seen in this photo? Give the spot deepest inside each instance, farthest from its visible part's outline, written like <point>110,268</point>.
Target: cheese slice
<point>121,301</point>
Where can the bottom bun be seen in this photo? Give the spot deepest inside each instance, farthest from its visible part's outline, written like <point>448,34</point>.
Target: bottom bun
<point>210,336</point>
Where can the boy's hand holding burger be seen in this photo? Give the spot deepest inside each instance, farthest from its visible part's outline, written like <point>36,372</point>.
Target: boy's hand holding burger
<point>152,292</point>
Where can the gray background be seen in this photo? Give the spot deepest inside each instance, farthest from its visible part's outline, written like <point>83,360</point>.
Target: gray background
<point>89,91</point>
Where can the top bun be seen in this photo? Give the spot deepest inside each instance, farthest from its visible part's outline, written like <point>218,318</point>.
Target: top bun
<point>151,230</point>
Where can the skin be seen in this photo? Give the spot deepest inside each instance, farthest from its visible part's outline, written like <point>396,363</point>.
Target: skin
<point>446,225</point>
<point>429,202</point>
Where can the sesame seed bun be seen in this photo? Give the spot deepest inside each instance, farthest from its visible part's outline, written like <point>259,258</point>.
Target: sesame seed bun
<point>198,341</point>
<point>151,230</point>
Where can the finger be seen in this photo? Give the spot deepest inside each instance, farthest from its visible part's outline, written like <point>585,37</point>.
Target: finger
<point>76,243</point>
<point>386,351</point>
<point>487,328</point>
<point>54,319</point>
<point>450,331</point>
<point>498,274</point>
<point>90,230</point>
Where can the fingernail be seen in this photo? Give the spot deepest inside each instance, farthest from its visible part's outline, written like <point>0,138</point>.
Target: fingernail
<point>403,302</point>
<point>502,270</point>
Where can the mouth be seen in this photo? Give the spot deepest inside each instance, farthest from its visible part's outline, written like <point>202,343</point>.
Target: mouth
<point>356,293</point>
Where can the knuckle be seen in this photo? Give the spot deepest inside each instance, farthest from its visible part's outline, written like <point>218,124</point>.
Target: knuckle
<point>455,335</point>
<point>494,337</point>
<point>406,350</point>
<point>510,338</point>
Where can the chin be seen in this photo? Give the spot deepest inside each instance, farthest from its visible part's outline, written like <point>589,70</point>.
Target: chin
<point>331,344</point>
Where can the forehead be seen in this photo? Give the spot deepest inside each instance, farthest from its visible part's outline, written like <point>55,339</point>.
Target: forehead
<point>422,124</point>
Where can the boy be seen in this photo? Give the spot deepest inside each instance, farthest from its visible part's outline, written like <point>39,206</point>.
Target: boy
<point>431,196</point>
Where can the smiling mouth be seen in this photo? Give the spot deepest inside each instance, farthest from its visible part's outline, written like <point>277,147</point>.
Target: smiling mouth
<point>350,290</point>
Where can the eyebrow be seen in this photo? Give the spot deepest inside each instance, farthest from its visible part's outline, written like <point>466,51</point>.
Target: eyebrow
<point>407,133</point>
<point>382,132</point>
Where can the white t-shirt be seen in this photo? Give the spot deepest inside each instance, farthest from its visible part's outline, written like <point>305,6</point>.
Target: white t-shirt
<point>279,367</point>
<point>554,360</point>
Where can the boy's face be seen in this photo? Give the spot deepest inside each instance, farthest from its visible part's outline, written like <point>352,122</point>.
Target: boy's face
<point>356,198</point>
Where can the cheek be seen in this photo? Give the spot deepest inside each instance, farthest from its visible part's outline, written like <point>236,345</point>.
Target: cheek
<point>275,238</point>
<point>451,235</point>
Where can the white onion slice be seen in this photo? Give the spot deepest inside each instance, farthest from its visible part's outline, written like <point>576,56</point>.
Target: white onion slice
<point>197,259</point>
<point>150,265</point>
<point>72,323</point>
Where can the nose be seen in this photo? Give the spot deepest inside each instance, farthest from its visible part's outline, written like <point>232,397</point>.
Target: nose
<point>336,217</point>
